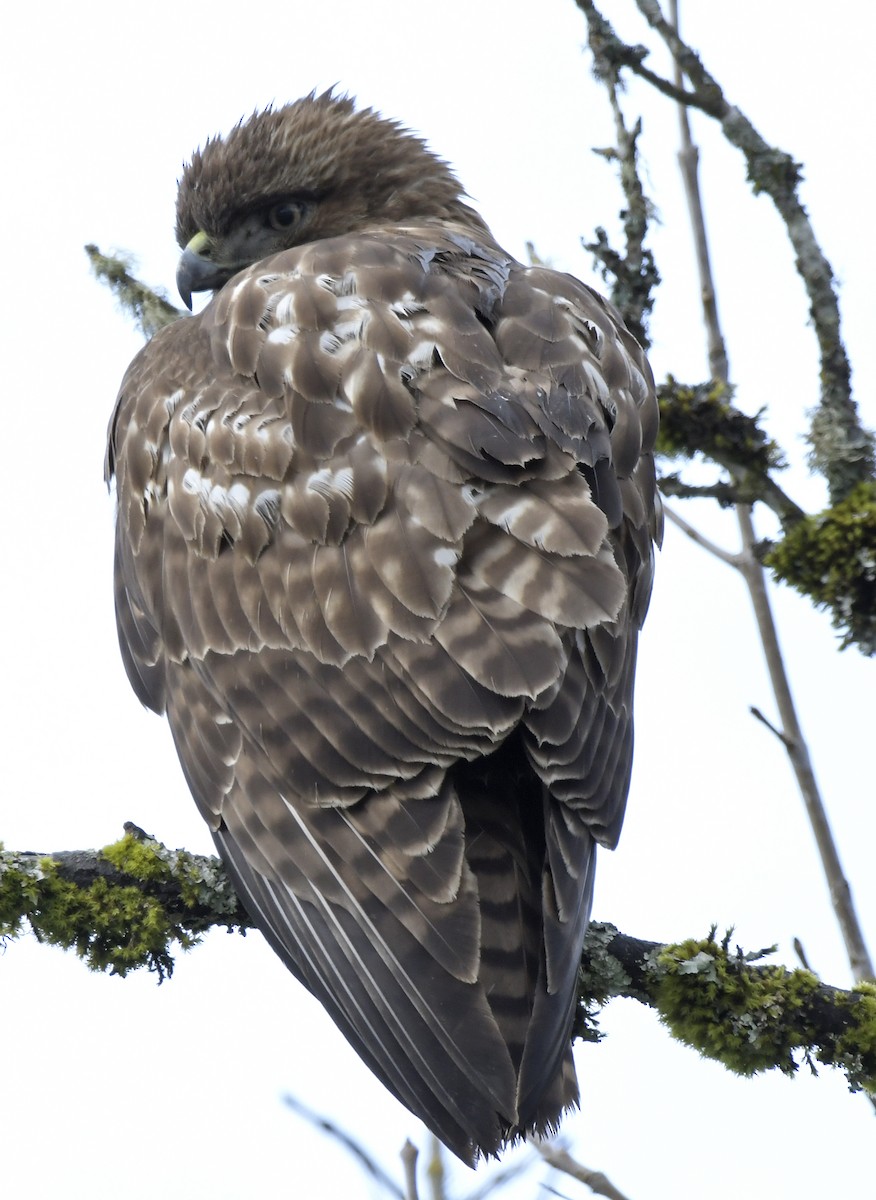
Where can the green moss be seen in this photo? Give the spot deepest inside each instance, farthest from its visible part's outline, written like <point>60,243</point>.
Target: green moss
<point>111,927</point>
<point>19,891</point>
<point>729,1011</point>
<point>202,882</point>
<point>701,419</point>
<point>855,1050</point>
<point>137,857</point>
<point>831,557</point>
<point>114,925</point>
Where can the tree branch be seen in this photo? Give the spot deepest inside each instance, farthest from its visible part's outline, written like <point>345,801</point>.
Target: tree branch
<point>352,1145</point>
<point>749,563</point>
<point>831,557</point>
<point>127,906</point>
<point>842,449</point>
<point>724,1003</point>
<point>561,1160</point>
<point>632,275</point>
<point>149,309</point>
<point>133,903</point>
<point>732,560</point>
<point>409,1154</point>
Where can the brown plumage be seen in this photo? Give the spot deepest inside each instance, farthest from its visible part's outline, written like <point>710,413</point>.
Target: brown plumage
<point>384,547</point>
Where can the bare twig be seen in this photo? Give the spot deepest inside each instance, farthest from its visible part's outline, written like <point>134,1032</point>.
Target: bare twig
<point>435,1170</point>
<point>747,562</point>
<point>560,1159</point>
<point>758,716</point>
<point>688,159</point>
<point>798,754</point>
<point>732,560</point>
<point>408,1156</point>
<point>801,954</point>
<point>349,1143</point>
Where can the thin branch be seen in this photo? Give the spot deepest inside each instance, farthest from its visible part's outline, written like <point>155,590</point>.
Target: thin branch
<point>435,1170</point>
<point>149,309</point>
<point>748,563</point>
<point>726,493</point>
<point>351,1144</point>
<point>798,754</point>
<point>701,419</point>
<point>408,1156</point>
<point>688,159</point>
<point>842,449</point>
<point>561,1160</point>
<point>633,275</point>
<point>758,716</point>
<point>732,560</point>
<point>609,48</point>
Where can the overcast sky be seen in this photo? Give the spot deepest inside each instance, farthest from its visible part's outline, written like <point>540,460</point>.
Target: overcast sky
<point>122,1089</point>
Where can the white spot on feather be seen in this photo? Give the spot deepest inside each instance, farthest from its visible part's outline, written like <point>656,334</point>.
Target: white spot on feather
<point>195,484</point>
<point>239,495</point>
<point>328,483</point>
<point>282,335</point>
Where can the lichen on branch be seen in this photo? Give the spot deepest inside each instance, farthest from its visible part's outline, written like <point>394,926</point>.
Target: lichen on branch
<point>149,309</point>
<point>831,557</point>
<point>127,906</point>
<point>842,449</point>
<point>136,903</point>
<point>731,1007</point>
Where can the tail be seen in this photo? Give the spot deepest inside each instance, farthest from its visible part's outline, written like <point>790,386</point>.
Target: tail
<point>534,864</point>
<point>461,1005</point>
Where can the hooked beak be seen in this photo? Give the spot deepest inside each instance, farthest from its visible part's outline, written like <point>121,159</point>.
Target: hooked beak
<point>198,273</point>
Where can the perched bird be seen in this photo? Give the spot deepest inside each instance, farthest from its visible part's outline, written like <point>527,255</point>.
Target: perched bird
<point>384,547</point>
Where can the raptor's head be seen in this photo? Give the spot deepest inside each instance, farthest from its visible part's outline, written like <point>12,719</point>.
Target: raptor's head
<point>314,169</point>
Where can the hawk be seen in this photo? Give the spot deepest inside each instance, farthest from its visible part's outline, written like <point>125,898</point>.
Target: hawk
<point>384,546</point>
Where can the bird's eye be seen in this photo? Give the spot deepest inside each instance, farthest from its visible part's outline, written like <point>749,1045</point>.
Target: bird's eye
<point>283,216</point>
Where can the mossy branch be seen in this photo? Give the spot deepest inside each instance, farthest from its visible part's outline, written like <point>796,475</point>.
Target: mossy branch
<point>127,906</point>
<point>135,903</point>
<point>841,448</point>
<point>149,309</point>
<point>731,1007</point>
<point>701,419</point>
<point>831,558</point>
<point>632,274</point>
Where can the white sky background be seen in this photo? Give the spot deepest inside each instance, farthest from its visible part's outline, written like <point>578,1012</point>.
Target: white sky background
<point>114,1088</point>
